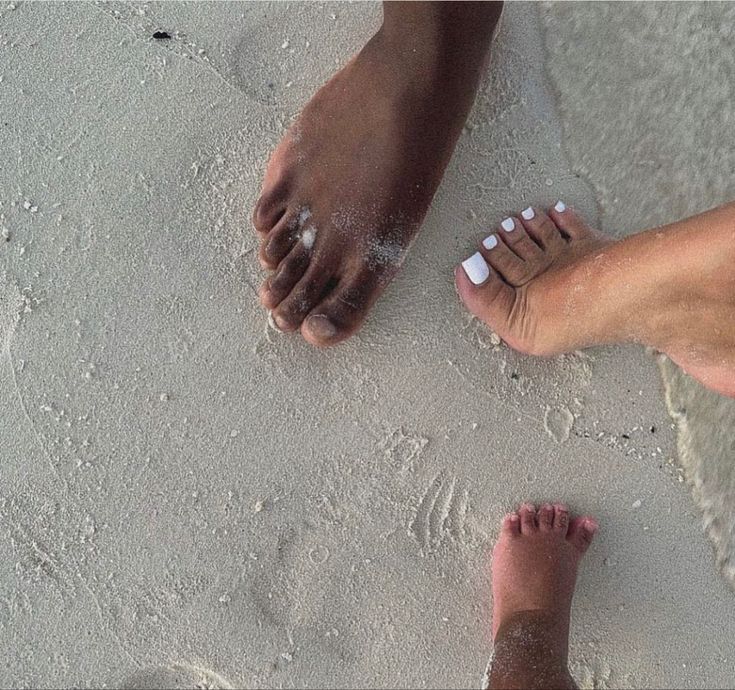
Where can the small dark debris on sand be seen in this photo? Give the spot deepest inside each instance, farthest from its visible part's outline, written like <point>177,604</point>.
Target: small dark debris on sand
<point>161,35</point>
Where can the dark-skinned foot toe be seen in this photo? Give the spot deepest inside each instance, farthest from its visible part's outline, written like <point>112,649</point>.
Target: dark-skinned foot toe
<point>289,272</point>
<point>276,244</point>
<point>305,295</point>
<point>343,311</point>
<point>267,212</point>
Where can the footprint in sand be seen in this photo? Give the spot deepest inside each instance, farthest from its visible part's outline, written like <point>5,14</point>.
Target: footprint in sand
<point>176,676</point>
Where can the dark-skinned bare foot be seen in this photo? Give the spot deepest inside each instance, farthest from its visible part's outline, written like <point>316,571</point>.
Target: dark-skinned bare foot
<point>349,185</point>
<point>534,573</point>
<point>547,283</point>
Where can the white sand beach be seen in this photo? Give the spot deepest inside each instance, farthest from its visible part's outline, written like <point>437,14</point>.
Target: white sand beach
<point>191,498</point>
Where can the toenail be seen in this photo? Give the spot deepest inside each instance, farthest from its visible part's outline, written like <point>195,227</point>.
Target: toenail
<point>476,269</point>
<point>323,326</point>
<point>280,323</point>
<point>528,213</point>
<point>508,225</point>
<point>591,526</point>
<point>490,242</point>
<point>560,206</point>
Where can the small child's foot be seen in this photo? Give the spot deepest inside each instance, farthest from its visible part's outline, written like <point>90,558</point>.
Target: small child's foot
<point>535,562</point>
<point>534,573</point>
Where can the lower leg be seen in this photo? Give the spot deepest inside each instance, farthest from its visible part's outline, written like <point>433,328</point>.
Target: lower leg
<point>531,652</point>
<point>460,31</point>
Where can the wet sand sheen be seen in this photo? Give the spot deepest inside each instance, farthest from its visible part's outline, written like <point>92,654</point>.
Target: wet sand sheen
<point>633,127</point>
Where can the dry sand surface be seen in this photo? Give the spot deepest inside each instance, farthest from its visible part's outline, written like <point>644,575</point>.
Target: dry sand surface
<point>190,498</point>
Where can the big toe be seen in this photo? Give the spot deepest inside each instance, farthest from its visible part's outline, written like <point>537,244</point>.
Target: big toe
<point>581,532</point>
<point>343,311</point>
<point>511,525</point>
<point>484,292</point>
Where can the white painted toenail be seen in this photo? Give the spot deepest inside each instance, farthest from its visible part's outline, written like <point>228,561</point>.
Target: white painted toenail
<point>591,526</point>
<point>490,242</point>
<point>508,224</point>
<point>528,213</point>
<point>476,268</point>
<point>560,206</point>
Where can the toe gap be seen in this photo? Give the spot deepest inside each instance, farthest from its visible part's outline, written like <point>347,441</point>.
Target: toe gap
<point>329,288</point>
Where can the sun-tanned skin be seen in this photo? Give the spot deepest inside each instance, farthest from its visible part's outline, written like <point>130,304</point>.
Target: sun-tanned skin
<point>534,572</point>
<point>556,285</point>
<point>349,185</point>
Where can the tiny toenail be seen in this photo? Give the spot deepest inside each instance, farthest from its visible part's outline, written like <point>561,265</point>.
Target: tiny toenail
<point>591,526</point>
<point>279,326</point>
<point>490,242</point>
<point>324,325</point>
<point>476,268</point>
<point>560,206</point>
<point>528,213</point>
<point>508,225</point>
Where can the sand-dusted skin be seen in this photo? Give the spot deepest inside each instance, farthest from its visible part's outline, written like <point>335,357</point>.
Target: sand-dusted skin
<point>350,183</point>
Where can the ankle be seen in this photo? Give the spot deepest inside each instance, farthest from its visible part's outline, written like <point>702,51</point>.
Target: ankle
<point>531,649</point>
<point>442,23</point>
<point>551,624</point>
<point>444,36</point>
